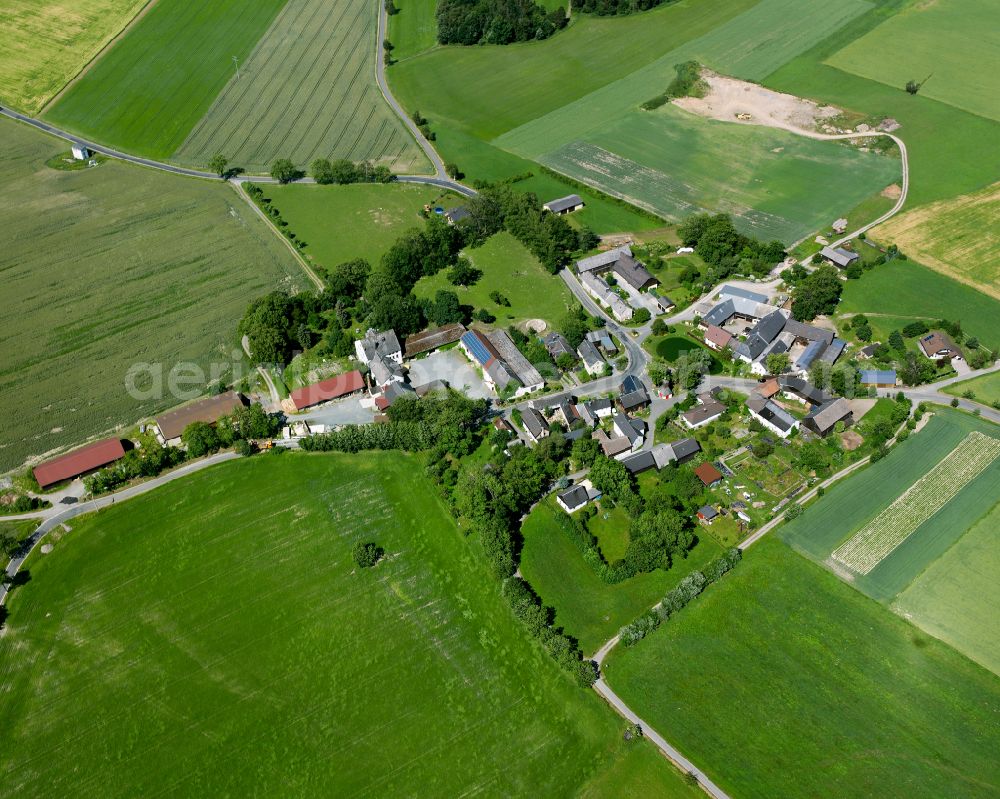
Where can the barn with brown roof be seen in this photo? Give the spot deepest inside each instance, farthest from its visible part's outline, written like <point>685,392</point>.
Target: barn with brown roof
<point>209,410</point>
<point>82,461</point>
<point>708,474</point>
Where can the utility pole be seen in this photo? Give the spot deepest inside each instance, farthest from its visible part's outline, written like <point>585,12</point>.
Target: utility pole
<point>236,61</point>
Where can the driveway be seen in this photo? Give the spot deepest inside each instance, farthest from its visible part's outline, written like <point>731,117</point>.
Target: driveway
<point>346,411</point>
<point>452,367</point>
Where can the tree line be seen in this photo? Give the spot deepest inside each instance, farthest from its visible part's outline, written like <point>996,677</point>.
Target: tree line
<point>496,21</point>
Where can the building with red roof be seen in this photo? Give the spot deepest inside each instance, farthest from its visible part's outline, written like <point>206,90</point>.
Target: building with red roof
<point>84,460</point>
<point>326,390</point>
<point>708,474</point>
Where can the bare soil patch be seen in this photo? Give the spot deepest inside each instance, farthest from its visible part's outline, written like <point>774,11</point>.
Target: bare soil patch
<point>851,440</point>
<point>732,100</point>
<point>892,192</point>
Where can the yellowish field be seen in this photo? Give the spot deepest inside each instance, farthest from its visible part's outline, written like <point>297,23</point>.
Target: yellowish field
<point>45,43</point>
<point>959,237</point>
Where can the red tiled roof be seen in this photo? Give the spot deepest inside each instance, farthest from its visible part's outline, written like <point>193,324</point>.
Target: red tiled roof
<point>708,474</point>
<point>93,456</point>
<point>769,388</point>
<point>329,389</point>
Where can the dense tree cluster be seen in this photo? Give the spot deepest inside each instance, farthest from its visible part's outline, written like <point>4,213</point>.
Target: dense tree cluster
<point>498,207</point>
<point>366,554</point>
<point>817,293</point>
<point>607,8</point>
<point>726,250</point>
<point>496,21</point>
<point>686,83</point>
<point>342,171</point>
<point>146,462</point>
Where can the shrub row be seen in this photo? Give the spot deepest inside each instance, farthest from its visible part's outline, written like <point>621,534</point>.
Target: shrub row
<point>256,193</point>
<point>677,598</point>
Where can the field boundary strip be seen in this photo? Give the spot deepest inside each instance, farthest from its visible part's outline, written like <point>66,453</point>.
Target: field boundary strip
<point>883,534</point>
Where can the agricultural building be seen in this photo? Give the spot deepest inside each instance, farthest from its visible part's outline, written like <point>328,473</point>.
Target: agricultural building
<point>728,291</point>
<point>171,424</point>
<point>879,378</point>
<point>382,345</point>
<point>839,256</point>
<point>708,474</point>
<point>771,415</point>
<point>716,338</point>
<point>602,292</point>
<point>326,390</point>
<point>822,418</point>
<point>80,462</point>
<point>622,264</point>
<point>707,514</point>
<point>433,339</point>
<point>527,375</point>
<point>839,225</point>
<point>564,205</point>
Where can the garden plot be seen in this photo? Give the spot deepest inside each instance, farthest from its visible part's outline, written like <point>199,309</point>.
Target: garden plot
<point>873,542</point>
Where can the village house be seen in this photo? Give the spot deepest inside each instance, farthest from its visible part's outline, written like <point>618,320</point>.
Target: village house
<point>771,415</point>
<point>601,291</point>
<point>937,345</point>
<point>633,395</point>
<point>602,340</point>
<point>702,414</point>
<point>591,358</point>
<point>716,338</point>
<point>556,345</point>
<point>575,497</point>
<point>534,424</point>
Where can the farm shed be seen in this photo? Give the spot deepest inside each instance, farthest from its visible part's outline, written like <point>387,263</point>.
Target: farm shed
<point>879,378</point>
<point>326,390</point>
<point>564,205</point>
<point>433,339</point>
<point>822,419</point>
<point>708,474</point>
<point>209,410</point>
<point>839,256</point>
<point>80,462</point>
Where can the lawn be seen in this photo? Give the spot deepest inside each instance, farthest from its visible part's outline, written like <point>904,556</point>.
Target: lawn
<point>907,289</point>
<point>775,184</point>
<point>588,608</point>
<point>986,388</point>
<point>307,90</point>
<point>509,268</point>
<point>639,775</point>
<point>941,166</point>
<point>942,44</point>
<point>959,238</point>
<point>670,348</point>
<point>45,43</point>
<point>221,621</point>
<point>780,681</point>
<point>850,504</point>
<point>149,90</point>
<point>362,220</point>
<point>610,528</point>
<point>107,268</point>
<point>957,597</point>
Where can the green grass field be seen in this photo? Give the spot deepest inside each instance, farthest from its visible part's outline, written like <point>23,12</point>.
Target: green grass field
<point>414,29</point>
<point>307,90</point>
<point>361,220</point>
<point>588,608</point>
<point>847,506</point>
<point>221,621</point>
<point>907,289</point>
<point>986,388</point>
<point>43,45</point>
<point>670,348</point>
<point>472,89</point>
<point>509,268</point>
<point>780,681</point>
<point>957,597</point>
<point>110,267</point>
<point>147,92</point>
<point>959,238</point>
<point>941,166</point>
<point>610,528</point>
<point>943,40</point>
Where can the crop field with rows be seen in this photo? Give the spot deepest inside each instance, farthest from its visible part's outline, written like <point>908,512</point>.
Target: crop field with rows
<point>308,90</point>
<point>109,267</point>
<point>866,549</point>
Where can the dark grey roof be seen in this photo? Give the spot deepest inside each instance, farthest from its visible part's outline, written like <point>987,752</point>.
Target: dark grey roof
<point>633,272</point>
<point>803,389</point>
<point>574,497</point>
<point>639,462</point>
<point>771,412</point>
<point>457,214</point>
<point>580,432</point>
<point>839,256</point>
<point>720,314</point>
<point>599,404</point>
<point>588,353</point>
<point>708,511</point>
<point>564,203</point>
<point>831,353</point>
<point>630,383</point>
<point>557,345</point>
<point>763,333</point>
<point>624,426</point>
<point>810,354</point>
<point>534,422</point>
<point>432,386</point>
<point>634,399</point>
<point>736,291</point>
<point>639,426</point>
<point>603,339</point>
<point>685,447</point>
<point>808,332</point>
<point>394,391</point>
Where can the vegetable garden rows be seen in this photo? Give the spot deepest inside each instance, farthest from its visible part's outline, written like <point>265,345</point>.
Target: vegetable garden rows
<point>870,545</point>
